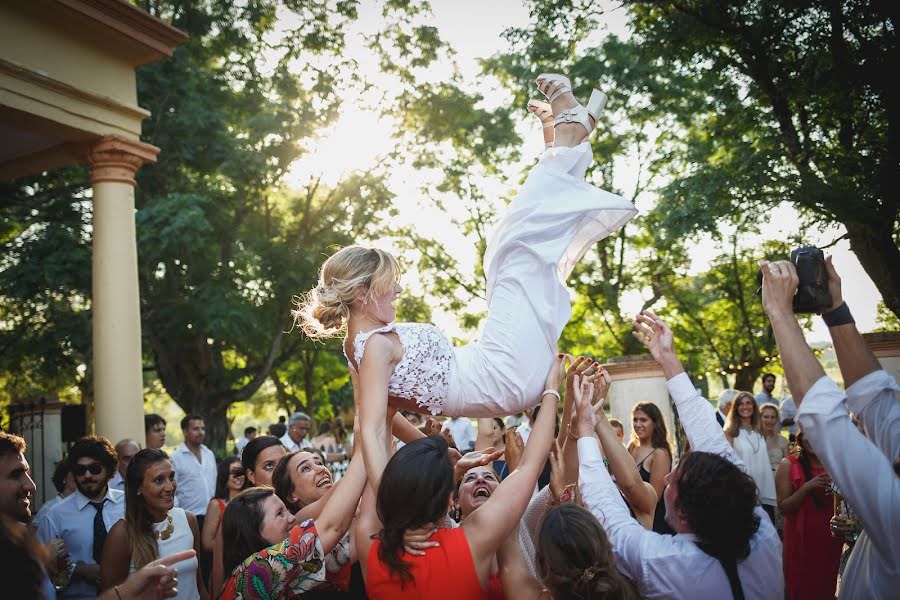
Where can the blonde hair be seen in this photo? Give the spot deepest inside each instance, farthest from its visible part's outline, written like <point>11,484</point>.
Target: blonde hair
<point>323,312</point>
<point>733,422</point>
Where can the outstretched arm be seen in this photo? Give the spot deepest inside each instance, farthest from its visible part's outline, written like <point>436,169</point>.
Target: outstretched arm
<point>640,495</point>
<point>491,523</point>
<point>871,392</point>
<point>337,514</point>
<point>697,415</point>
<point>514,572</point>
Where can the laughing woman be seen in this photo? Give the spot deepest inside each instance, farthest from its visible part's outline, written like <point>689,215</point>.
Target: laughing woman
<point>152,527</point>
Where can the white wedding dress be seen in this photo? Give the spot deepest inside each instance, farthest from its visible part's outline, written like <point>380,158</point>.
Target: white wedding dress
<point>552,222</point>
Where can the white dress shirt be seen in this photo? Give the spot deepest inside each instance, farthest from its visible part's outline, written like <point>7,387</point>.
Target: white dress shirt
<point>863,471</point>
<point>72,519</point>
<point>673,566</point>
<point>293,446</point>
<point>195,481</point>
<point>462,431</point>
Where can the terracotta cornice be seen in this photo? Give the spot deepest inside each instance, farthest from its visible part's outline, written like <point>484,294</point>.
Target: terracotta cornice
<point>116,159</point>
<point>131,22</point>
<point>883,343</point>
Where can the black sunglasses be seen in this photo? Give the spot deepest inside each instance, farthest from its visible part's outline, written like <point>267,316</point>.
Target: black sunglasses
<point>236,473</point>
<point>80,470</point>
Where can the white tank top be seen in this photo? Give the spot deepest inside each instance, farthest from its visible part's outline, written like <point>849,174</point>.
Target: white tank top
<point>182,538</point>
<point>423,374</point>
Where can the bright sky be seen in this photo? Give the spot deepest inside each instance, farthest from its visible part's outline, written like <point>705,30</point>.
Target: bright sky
<point>473,29</point>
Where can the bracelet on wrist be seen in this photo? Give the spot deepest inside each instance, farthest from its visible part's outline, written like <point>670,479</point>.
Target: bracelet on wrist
<point>839,316</point>
<point>571,434</point>
<point>552,393</point>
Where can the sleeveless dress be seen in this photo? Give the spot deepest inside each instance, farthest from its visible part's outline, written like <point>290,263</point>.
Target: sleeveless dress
<point>555,218</point>
<point>182,538</point>
<point>659,515</point>
<point>811,556</point>
<point>443,573</point>
<point>751,448</point>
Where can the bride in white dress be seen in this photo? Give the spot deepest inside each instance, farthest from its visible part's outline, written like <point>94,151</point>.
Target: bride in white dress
<point>547,228</point>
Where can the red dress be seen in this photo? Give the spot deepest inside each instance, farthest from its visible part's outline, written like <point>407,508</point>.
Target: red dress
<point>443,573</point>
<point>811,555</point>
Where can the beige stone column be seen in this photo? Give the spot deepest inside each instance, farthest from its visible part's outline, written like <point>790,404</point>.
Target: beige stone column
<point>118,380</point>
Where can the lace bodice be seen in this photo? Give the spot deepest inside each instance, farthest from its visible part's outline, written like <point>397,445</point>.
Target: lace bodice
<point>423,374</point>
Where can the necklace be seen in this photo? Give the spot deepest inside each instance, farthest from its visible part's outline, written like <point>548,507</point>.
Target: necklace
<point>752,438</point>
<point>167,532</point>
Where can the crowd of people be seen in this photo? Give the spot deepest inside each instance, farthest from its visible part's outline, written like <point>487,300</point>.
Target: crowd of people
<point>541,498</point>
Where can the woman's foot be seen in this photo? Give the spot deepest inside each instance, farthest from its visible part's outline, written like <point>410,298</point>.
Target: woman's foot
<point>573,122</point>
<point>544,113</point>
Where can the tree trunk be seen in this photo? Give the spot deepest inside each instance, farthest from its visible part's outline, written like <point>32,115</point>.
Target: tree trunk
<point>879,256</point>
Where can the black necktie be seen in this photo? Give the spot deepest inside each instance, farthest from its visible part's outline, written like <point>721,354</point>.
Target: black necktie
<point>99,530</point>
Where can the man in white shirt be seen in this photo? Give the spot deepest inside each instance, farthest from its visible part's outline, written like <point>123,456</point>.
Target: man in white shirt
<point>863,466</point>
<point>125,449</point>
<point>462,431</point>
<point>298,428</point>
<point>195,469</point>
<point>725,542</point>
<point>83,519</point>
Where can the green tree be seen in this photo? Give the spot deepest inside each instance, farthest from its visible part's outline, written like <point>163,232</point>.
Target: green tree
<point>772,101</point>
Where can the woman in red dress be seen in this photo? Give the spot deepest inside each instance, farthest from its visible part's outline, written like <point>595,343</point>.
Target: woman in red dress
<point>811,555</point>
<point>416,488</point>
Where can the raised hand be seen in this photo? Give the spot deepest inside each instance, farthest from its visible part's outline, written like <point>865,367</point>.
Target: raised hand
<point>834,285</point>
<point>584,419</point>
<point>554,376</point>
<point>515,446</point>
<point>779,286</point>
<point>654,334</point>
<point>601,381</point>
<point>557,470</point>
<point>477,458</point>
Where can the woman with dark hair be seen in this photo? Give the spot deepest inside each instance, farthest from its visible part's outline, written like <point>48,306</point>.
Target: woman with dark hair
<point>268,556</point>
<point>743,429</point>
<point>259,458</point>
<point>417,488</point>
<point>258,461</point>
<point>152,526</point>
<point>811,555</point>
<point>229,482</point>
<point>652,454</point>
<point>574,560</point>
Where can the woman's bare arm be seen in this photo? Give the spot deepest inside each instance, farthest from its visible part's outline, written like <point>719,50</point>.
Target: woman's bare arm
<point>374,373</point>
<point>116,558</point>
<point>210,525</point>
<point>641,497</point>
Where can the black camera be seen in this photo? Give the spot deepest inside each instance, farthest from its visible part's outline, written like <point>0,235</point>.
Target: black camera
<point>812,289</point>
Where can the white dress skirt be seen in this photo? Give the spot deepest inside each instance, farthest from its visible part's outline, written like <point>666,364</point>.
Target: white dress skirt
<point>555,218</point>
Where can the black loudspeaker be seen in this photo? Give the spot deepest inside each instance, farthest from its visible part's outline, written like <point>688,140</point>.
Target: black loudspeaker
<point>73,422</point>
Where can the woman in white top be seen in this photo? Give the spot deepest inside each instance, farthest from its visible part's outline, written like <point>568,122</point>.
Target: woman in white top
<point>743,428</point>
<point>555,218</point>
<point>152,527</point>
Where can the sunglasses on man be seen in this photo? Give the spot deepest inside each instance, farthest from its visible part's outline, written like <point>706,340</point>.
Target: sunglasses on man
<point>80,470</point>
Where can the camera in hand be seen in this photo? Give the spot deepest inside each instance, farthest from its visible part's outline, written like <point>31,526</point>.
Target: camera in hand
<point>812,288</point>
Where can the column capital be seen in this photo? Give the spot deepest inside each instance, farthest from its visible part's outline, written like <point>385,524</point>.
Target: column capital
<point>116,158</point>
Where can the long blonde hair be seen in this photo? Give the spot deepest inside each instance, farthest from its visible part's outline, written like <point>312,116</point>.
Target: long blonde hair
<point>733,422</point>
<point>323,312</point>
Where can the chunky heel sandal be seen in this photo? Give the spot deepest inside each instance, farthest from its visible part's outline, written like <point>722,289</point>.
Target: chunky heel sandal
<point>553,85</point>
<point>544,113</point>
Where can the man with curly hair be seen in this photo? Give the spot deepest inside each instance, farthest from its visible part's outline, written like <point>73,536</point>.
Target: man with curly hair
<point>725,545</point>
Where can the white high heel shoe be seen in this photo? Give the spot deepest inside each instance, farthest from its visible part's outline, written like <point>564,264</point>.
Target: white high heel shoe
<point>554,85</point>
<point>544,113</point>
